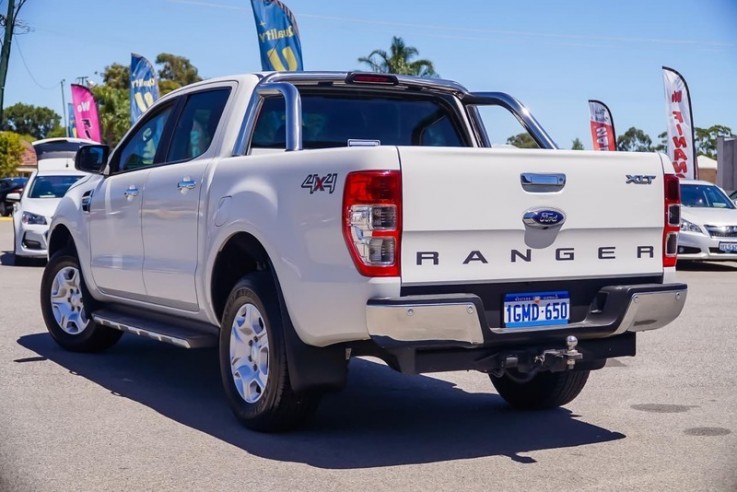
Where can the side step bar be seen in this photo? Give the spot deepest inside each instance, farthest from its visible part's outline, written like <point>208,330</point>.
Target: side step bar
<point>176,331</point>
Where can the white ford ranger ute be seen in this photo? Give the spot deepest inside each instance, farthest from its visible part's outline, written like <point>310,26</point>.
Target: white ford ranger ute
<point>296,220</point>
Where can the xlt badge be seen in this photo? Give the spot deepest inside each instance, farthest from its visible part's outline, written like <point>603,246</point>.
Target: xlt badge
<point>640,179</point>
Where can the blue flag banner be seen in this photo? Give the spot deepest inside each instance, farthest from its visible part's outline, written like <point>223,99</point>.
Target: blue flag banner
<point>72,124</point>
<point>144,86</point>
<point>278,36</point>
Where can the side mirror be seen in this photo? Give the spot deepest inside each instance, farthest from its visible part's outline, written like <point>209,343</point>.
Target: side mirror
<point>12,197</point>
<point>91,158</point>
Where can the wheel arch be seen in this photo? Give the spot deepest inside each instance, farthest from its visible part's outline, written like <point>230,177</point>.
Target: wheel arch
<point>60,238</point>
<point>309,367</point>
<point>240,255</point>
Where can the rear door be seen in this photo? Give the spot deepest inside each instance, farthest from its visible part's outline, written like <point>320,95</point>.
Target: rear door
<point>171,202</point>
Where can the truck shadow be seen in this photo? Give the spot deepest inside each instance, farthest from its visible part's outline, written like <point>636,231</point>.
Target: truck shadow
<point>382,418</point>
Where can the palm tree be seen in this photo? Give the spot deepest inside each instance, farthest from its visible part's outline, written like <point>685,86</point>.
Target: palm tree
<point>399,61</point>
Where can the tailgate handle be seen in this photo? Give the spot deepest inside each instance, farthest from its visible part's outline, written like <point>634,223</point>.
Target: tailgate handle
<point>542,183</point>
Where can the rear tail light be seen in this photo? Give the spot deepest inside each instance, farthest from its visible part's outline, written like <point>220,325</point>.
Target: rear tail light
<point>672,219</point>
<point>372,221</point>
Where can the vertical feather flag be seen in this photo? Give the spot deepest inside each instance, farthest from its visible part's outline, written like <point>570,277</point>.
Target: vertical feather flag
<point>602,126</point>
<point>681,148</point>
<point>72,125</point>
<point>278,36</point>
<point>144,86</point>
<point>85,113</point>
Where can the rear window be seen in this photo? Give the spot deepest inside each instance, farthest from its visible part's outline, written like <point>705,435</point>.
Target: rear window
<point>51,186</point>
<point>331,120</point>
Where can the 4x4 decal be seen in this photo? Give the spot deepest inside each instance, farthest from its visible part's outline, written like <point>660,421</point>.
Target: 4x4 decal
<point>315,182</point>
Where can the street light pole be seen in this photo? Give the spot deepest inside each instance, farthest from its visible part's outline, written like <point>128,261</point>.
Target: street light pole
<point>64,109</point>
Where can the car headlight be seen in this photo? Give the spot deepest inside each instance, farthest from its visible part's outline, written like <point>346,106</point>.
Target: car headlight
<point>33,219</point>
<point>690,227</point>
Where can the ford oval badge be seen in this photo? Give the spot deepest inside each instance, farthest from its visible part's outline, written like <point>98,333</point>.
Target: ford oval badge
<point>544,218</point>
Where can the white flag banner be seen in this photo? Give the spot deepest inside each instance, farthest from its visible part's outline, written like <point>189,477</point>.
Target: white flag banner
<point>681,149</point>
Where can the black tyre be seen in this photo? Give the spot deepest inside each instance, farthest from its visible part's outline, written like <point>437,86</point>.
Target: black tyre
<point>65,305</point>
<point>5,209</point>
<point>253,359</point>
<point>544,390</point>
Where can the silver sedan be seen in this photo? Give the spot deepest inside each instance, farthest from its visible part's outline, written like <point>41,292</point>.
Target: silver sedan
<point>708,223</point>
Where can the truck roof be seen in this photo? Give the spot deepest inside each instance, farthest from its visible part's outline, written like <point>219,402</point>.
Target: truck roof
<point>334,77</point>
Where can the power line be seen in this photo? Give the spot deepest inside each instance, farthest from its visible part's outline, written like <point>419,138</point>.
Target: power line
<point>23,59</point>
<point>500,32</point>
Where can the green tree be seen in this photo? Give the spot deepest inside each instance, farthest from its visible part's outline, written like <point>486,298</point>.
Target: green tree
<point>523,141</point>
<point>175,72</point>
<point>57,132</point>
<point>113,95</point>
<point>706,139</point>
<point>577,144</point>
<point>113,108</point>
<point>635,140</point>
<point>117,76</point>
<point>27,119</point>
<point>663,145</point>
<point>11,152</point>
<point>11,26</point>
<point>399,60</point>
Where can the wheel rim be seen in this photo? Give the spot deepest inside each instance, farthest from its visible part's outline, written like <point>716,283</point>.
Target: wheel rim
<point>249,353</point>
<point>66,301</point>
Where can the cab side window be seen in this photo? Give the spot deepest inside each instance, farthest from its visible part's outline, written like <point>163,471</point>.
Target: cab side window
<point>197,124</point>
<point>140,150</point>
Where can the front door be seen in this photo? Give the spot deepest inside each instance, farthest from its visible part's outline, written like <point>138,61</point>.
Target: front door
<point>116,244</point>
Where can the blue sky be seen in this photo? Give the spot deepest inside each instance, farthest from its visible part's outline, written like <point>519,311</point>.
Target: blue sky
<point>553,56</point>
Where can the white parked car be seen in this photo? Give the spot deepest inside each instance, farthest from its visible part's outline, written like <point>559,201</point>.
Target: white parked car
<point>35,208</point>
<point>64,148</point>
<point>708,223</point>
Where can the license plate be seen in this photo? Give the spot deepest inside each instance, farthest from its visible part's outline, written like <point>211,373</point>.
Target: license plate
<point>536,309</point>
<point>728,247</point>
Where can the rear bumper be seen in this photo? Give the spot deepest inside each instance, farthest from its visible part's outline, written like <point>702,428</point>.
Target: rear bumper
<point>459,320</point>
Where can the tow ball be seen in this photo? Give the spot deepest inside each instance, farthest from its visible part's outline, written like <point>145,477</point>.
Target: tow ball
<point>527,364</point>
<point>550,358</point>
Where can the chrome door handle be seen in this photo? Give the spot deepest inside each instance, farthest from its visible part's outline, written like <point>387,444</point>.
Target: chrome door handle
<point>542,182</point>
<point>186,183</point>
<point>131,192</point>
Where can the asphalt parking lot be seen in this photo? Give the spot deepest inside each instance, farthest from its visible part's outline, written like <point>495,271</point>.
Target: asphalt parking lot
<point>148,416</point>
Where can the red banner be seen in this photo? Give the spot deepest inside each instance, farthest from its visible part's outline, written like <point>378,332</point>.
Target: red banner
<point>681,149</point>
<point>85,113</point>
<point>602,126</point>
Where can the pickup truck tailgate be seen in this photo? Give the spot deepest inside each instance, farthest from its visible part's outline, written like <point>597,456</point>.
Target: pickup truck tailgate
<point>463,215</point>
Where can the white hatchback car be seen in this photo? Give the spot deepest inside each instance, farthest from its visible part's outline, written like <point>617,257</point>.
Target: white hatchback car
<point>32,214</point>
<point>708,223</point>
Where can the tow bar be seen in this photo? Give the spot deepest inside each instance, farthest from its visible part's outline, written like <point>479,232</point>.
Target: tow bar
<point>553,360</point>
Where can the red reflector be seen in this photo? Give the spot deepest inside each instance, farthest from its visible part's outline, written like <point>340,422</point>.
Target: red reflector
<point>371,78</point>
